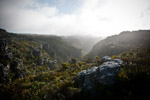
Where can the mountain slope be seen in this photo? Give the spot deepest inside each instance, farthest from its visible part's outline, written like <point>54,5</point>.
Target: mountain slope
<point>120,43</point>
<point>26,63</point>
<point>53,45</point>
<point>24,55</point>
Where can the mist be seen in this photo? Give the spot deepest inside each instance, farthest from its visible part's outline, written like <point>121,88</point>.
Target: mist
<point>75,49</point>
<point>74,17</point>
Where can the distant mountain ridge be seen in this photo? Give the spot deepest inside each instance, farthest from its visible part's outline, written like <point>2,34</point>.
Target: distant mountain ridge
<point>119,43</point>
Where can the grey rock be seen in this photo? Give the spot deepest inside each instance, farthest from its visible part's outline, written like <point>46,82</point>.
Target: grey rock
<point>103,74</point>
<point>51,64</point>
<point>118,61</point>
<point>106,58</point>
<point>36,52</point>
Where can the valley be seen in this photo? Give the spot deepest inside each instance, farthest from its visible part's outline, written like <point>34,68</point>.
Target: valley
<point>47,67</point>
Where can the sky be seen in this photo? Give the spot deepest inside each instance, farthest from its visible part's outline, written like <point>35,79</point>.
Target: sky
<point>74,17</point>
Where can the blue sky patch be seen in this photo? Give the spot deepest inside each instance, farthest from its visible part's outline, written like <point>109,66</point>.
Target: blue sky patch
<point>64,6</point>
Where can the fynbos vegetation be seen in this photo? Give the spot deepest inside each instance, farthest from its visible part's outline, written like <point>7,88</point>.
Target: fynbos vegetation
<point>34,67</point>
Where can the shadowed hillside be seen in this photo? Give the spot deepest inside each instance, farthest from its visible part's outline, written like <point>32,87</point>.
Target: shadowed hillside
<point>119,43</point>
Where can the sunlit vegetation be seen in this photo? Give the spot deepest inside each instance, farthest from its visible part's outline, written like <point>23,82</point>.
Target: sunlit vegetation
<point>132,83</point>
<point>49,85</point>
<point>44,68</point>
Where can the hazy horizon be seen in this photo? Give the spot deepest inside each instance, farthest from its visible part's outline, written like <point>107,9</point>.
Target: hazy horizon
<point>100,18</point>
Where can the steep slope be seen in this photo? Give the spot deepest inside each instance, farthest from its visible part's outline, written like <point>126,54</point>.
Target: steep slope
<point>24,55</point>
<point>120,43</point>
<point>53,45</point>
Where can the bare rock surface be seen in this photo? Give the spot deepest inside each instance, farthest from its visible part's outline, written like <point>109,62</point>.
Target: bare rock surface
<point>103,74</point>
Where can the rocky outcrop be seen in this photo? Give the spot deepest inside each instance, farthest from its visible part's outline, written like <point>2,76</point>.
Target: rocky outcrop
<point>103,74</point>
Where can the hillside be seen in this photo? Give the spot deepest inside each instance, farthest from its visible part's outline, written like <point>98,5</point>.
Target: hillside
<point>131,83</point>
<point>22,55</point>
<point>119,43</point>
<point>55,46</point>
<point>37,67</point>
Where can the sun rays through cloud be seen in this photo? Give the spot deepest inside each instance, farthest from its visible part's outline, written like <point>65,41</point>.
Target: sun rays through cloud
<point>74,17</point>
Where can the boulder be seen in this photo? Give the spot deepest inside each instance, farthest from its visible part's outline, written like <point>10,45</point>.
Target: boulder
<point>106,58</point>
<point>103,74</point>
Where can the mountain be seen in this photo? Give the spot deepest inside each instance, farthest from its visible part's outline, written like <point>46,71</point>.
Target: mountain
<point>22,55</point>
<point>36,67</point>
<point>119,43</point>
<point>85,43</point>
<point>53,45</point>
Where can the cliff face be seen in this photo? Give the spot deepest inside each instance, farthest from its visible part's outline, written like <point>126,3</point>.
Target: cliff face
<point>119,43</point>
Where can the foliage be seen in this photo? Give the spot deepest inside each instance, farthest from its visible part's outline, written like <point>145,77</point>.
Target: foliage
<point>29,71</point>
<point>117,44</point>
<point>65,66</point>
<point>98,60</point>
<point>30,67</point>
<point>132,83</point>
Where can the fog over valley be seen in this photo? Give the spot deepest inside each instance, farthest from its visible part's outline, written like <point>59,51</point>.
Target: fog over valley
<point>74,49</point>
<point>74,17</point>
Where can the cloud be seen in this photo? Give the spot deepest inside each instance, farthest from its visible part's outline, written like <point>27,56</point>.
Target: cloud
<point>91,17</point>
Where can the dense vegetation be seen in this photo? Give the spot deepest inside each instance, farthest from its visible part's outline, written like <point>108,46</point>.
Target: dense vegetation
<point>132,83</point>
<point>55,46</point>
<point>125,41</point>
<point>23,55</point>
<point>29,70</point>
